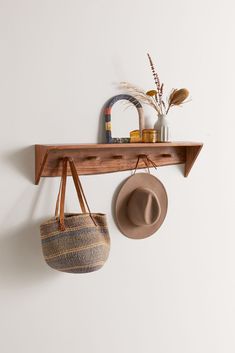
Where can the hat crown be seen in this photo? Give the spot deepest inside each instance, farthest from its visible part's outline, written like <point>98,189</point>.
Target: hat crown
<point>143,207</point>
<point>132,217</point>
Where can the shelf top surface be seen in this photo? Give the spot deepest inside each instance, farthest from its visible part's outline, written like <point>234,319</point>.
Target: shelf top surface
<point>120,145</point>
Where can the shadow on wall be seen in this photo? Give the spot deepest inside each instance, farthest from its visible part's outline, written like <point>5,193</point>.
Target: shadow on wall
<point>101,138</point>
<point>114,198</point>
<point>23,161</point>
<point>21,259</point>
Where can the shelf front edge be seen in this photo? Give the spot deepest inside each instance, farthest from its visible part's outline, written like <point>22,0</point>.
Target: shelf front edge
<point>98,158</point>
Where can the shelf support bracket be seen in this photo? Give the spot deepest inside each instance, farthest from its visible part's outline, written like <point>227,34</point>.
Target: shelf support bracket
<point>191,155</point>
<point>43,159</point>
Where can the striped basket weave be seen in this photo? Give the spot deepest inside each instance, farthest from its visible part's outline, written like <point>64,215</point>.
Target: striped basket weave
<point>75,242</point>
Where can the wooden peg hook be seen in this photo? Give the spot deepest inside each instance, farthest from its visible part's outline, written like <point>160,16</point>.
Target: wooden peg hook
<point>93,158</point>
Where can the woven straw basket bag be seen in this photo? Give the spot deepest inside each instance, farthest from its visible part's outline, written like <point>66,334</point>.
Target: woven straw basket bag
<point>75,242</point>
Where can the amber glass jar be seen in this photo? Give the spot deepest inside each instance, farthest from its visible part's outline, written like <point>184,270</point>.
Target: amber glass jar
<point>149,135</point>
<point>135,136</point>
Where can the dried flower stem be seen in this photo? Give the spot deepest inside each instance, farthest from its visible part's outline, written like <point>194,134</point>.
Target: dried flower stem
<point>157,83</point>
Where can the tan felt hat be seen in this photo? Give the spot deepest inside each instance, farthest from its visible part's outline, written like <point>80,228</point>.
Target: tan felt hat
<point>141,206</point>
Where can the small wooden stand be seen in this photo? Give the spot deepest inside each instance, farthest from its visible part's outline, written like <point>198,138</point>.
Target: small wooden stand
<point>108,158</point>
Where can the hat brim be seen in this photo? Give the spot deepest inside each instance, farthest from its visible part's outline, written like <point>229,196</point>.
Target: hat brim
<point>133,182</point>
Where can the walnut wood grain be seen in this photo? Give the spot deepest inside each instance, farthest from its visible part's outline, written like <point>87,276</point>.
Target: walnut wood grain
<point>107,158</point>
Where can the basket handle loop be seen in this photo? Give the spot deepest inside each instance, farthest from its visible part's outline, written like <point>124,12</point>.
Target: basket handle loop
<point>62,193</point>
<point>80,193</point>
<point>78,186</point>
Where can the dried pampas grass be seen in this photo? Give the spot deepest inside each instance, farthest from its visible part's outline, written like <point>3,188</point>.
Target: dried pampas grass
<point>139,94</point>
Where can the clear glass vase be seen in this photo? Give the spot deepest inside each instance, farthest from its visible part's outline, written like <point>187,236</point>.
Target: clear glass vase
<point>162,128</point>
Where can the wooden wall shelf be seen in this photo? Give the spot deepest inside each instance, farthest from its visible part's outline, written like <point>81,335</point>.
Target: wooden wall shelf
<point>107,158</point>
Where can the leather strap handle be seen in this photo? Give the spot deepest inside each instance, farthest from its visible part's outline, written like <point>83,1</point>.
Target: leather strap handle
<point>80,197</point>
<point>80,191</point>
<point>78,187</point>
<point>58,200</point>
<point>61,195</point>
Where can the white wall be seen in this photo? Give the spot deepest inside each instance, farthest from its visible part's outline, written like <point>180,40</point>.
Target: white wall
<point>173,292</point>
